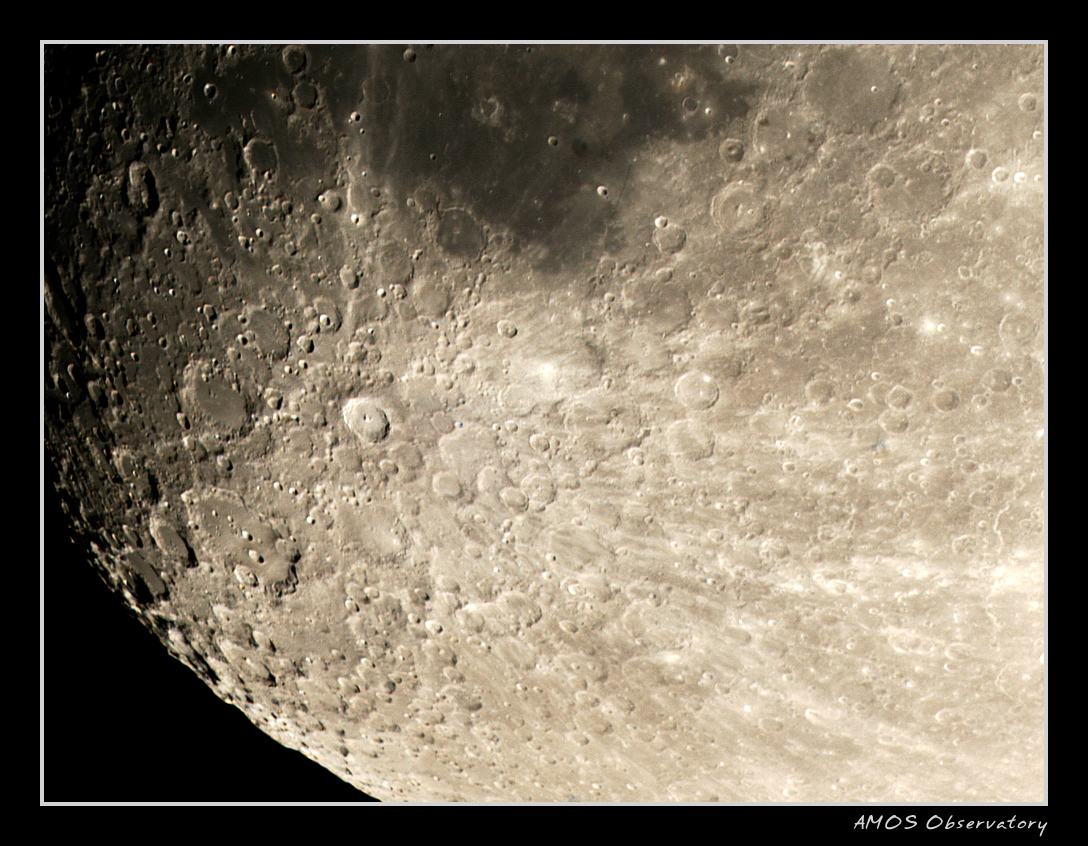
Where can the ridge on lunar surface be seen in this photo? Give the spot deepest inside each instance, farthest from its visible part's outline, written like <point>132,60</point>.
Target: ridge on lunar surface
<point>568,422</point>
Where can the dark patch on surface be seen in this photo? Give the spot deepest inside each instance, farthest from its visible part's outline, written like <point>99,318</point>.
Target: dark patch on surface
<point>478,121</point>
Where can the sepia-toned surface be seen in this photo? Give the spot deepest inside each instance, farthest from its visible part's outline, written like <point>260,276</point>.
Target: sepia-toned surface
<point>569,422</point>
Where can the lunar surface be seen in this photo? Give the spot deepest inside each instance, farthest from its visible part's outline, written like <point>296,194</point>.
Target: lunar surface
<point>567,422</point>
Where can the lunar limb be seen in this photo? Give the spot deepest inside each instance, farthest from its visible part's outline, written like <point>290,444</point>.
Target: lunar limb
<point>568,422</point>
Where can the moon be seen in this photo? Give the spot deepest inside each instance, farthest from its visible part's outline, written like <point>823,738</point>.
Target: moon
<point>565,423</point>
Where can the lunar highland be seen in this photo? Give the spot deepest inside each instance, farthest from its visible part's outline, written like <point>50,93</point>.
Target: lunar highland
<point>568,422</point>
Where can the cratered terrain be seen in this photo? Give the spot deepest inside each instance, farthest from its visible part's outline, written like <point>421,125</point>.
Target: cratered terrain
<point>565,422</point>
